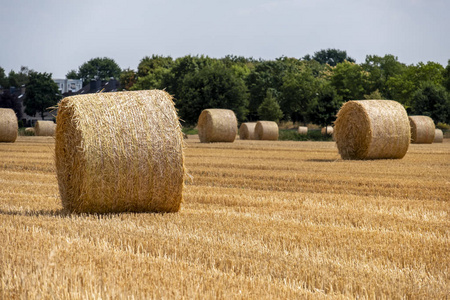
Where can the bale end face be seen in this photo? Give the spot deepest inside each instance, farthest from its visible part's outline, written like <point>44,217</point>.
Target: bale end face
<point>422,129</point>
<point>247,131</point>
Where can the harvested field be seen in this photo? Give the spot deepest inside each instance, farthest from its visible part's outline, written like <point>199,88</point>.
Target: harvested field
<point>261,220</point>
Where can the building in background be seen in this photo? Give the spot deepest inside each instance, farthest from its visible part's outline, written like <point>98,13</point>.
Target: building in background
<point>69,85</point>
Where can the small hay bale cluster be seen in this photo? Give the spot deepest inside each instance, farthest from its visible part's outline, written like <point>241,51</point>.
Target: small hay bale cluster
<point>303,130</point>
<point>9,127</point>
<point>372,129</point>
<point>327,130</point>
<point>247,131</point>
<point>217,125</point>
<point>119,152</point>
<point>422,129</point>
<point>266,130</point>
<point>438,136</point>
<point>44,128</point>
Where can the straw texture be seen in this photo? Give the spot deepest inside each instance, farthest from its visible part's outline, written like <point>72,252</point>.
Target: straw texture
<point>44,128</point>
<point>372,129</point>
<point>118,152</point>
<point>303,130</point>
<point>8,125</point>
<point>438,136</point>
<point>422,129</point>
<point>266,130</point>
<point>247,131</point>
<point>217,125</point>
<point>327,130</point>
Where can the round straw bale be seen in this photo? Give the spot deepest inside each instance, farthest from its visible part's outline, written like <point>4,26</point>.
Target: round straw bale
<point>422,129</point>
<point>29,131</point>
<point>44,128</point>
<point>119,152</point>
<point>247,131</point>
<point>372,129</point>
<point>327,130</point>
<point>303,130</point>
<point>8,125</point>
<point>266,130</point>
<point>438,136</point>
<point>217,125</point>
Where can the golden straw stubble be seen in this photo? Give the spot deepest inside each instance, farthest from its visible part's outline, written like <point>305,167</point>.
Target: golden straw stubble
<point>8,125</point>
<point>217,125</point>
<point>119,152</point>
<point>372,129</point>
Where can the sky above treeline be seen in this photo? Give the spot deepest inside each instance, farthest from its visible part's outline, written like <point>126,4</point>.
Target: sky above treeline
<point>56,36</point>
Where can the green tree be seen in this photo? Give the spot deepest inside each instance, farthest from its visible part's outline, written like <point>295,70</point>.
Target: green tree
<point>20,78</point>
<point>3,78</point>
<point>98,68</point>
<point>432,100</point>
<point>149,64</point>
<point>349,80</point>
<point>298,89</point>
<point>153,80</point>
<point>331,57</point>
<point>270,109</point>
<point>214,86</point>
<point>446,77</point>
<point>127,79</point>
<point>42,92</point>
<point>325,105</point>
<point>72,74</point>
<point>380,70</point>
<point>8,100</point>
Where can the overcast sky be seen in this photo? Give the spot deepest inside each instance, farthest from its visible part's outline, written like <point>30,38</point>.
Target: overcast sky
<point>56,36</point>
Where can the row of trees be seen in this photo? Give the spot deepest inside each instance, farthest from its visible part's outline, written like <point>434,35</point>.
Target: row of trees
<point>310,89</point>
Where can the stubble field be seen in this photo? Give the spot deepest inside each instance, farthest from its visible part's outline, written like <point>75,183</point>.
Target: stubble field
<point>260,220</point>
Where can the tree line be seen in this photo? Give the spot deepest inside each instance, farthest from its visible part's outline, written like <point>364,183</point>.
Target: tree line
<point>309,89</point>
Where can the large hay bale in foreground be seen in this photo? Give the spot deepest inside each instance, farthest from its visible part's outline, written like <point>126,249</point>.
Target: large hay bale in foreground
<point>327,130</point>
<point>44,128</point>
<point>372,129</point>
<point>217,125</point>
<point>422,129</point>
<point>303,130</point>
<point>266,130</point>
<point>118,152</point>
<point>8,125</point>
<point>438,136</point>
<point>247,131</point>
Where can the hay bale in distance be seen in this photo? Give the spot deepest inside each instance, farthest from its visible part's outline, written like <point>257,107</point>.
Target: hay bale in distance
<point>372,129</point>
<point>247,131</point>
<point>422,129</point>
<point>438,136</point>
<point>217,125</point>
<point>29,131</point>
<point>118,152</point>
<point>327,130</point>
<point>44,128</point>
<point>303,130</point>
<point>266,130</point>
<point>9,126</point>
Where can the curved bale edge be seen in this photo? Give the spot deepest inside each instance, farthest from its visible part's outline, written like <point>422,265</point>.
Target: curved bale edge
<point>422,129</point>
<point>247,131</point>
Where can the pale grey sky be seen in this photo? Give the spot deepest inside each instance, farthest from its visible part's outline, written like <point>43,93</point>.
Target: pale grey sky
<point>56,36</point>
